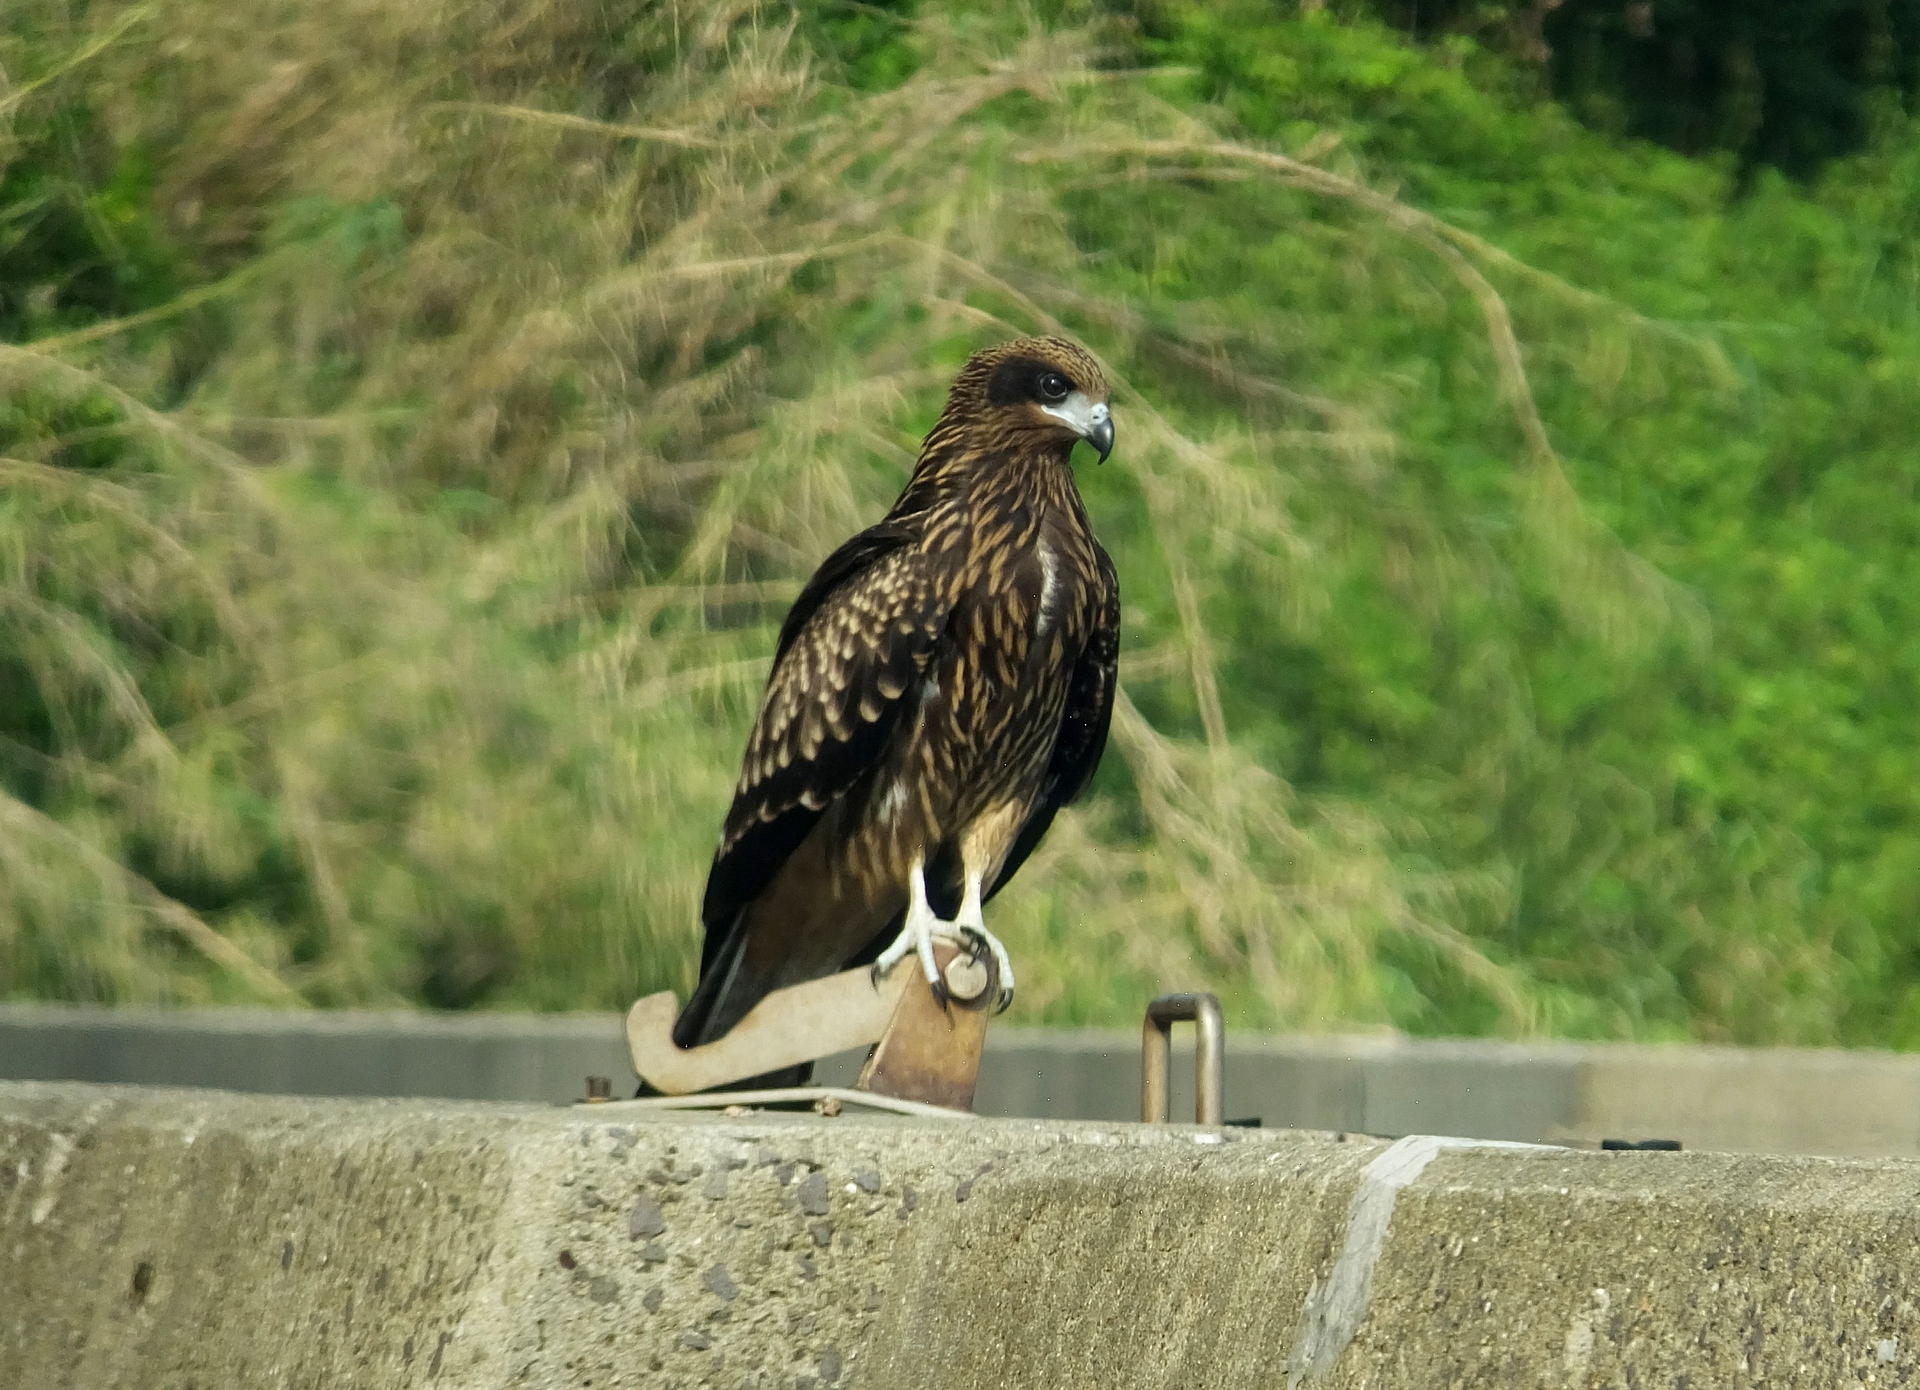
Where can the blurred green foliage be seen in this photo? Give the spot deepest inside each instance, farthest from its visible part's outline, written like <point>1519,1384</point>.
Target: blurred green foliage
<point>389,549</point>
<point>1771,474</point>
<point>1785,83</point>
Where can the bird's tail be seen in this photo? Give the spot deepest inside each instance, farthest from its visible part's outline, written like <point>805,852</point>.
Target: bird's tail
<point>730,985</point>
<point>706,1015</point>
<point>721,999</point>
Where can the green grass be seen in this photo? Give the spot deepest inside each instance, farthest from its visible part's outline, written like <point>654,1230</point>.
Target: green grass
<point>412,429</point>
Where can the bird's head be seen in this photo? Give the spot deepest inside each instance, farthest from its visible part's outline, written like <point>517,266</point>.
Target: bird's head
<point>1044,390</point>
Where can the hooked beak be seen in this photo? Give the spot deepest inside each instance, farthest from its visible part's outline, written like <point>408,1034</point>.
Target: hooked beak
<point>1091,420</point>
<point>1101,435</point>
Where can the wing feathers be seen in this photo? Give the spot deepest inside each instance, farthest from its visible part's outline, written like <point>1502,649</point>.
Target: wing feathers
<point>832,701</point>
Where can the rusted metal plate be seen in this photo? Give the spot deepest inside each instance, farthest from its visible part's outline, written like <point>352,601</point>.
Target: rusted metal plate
<point>798,1024</point>
<point>931,1050</point>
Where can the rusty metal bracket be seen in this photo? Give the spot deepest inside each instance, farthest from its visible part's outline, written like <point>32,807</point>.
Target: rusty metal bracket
<point>931,1049</point>
<point>926,1051</point>
<point>1210,1056</point>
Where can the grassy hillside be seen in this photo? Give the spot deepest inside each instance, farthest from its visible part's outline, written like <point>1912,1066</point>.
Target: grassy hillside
<point>413,421</point>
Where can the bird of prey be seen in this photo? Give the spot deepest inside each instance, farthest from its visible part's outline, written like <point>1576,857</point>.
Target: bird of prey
<point>941,687</point>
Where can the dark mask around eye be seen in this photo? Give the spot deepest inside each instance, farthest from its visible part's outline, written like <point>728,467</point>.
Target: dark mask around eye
<point>1023,379</point>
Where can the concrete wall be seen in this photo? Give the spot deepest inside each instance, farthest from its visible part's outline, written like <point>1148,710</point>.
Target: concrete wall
<point>1764,1100</point>
<point>168,1239</point>
<point>534,1057</point>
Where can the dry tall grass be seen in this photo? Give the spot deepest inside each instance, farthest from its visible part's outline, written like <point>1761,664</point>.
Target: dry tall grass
<point>409,635</point>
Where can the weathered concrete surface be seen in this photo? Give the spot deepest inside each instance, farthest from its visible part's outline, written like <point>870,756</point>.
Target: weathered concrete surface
<point>182,1238</point>
<point>1763,1100</point>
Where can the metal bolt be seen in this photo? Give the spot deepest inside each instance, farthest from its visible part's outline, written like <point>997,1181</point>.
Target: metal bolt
<point>966,977</point>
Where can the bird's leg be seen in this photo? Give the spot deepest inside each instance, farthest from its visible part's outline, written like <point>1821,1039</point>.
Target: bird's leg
<point>918,933</point>
<point>973,927</point>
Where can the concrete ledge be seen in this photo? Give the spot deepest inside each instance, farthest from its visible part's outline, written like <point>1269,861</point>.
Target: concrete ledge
<point>173,1239</point>
<point>1779,1100</point>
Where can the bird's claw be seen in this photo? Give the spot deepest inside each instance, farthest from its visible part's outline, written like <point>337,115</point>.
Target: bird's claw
<point>979,943</point>
<point>916,939</point>
<point>923,948</point>
<point>968,932</point>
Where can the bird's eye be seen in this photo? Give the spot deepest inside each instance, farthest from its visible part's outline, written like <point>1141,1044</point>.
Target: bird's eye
<point>1053,386</point>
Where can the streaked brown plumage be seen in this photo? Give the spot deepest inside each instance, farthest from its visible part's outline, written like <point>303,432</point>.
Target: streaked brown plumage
<point>942,686</point>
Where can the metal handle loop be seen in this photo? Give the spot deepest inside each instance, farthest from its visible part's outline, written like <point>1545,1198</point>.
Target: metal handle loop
<point>1210,1061</point>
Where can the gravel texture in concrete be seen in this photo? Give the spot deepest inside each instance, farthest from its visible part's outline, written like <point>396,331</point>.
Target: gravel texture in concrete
<point>165,1239</point>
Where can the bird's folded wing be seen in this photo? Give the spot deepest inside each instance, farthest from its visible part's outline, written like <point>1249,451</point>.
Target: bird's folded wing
<point>844,673</point>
